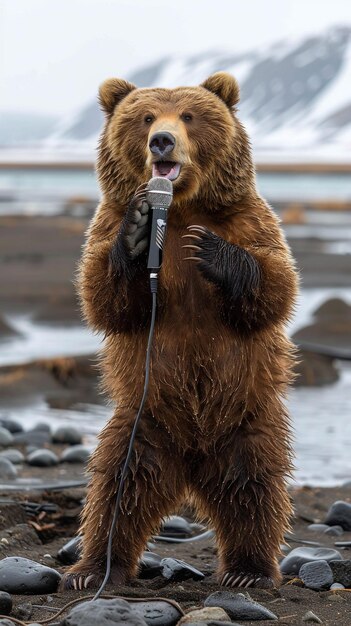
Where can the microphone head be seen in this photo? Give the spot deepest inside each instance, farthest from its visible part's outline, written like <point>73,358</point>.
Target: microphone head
<point>159,192</point>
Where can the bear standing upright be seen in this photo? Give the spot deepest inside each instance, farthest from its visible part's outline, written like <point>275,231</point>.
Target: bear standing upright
<point>215,428</point>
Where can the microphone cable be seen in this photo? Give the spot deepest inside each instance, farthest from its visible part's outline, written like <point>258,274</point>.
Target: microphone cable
<point>153,289</point>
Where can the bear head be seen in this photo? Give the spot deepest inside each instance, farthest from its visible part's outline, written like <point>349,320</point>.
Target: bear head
<point>190,135</point>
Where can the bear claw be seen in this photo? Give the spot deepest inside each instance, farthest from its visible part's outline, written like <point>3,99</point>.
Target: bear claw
<point>78,582</point>
<point>244,580</point>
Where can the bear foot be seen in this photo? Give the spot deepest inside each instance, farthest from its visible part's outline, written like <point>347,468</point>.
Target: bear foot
<point>246,579</point>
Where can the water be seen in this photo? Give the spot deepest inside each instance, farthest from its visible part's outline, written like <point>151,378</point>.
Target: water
<point>320,417</point>
<point>48,184</point>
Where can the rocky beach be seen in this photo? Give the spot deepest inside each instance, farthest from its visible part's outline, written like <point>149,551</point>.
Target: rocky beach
<point>51,410</point>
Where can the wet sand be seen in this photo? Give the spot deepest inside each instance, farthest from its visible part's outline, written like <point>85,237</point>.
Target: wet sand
<point>42,535</point>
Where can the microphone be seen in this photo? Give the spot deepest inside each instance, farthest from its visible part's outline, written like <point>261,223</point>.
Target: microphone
<point>159,196</point>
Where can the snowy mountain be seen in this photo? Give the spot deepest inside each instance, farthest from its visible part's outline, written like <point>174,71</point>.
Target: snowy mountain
<point>295,97</point>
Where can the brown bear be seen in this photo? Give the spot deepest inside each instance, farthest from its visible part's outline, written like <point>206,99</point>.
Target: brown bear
<point>215,429</point>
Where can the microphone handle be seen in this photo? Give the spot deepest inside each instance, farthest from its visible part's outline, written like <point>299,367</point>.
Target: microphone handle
<point>157,237</point>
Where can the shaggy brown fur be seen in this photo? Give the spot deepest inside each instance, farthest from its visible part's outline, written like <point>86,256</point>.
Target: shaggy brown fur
<point>215,428</point>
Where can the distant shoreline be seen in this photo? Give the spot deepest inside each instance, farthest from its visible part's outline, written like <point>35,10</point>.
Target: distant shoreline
<point>317,168</point>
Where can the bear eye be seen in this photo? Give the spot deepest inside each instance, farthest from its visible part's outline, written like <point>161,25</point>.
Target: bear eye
<point>186,117</point>
<point>148,119</point>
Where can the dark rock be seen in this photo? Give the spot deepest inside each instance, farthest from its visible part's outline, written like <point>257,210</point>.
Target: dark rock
<point>314,370</point>
<point>239,606</point>
<point>156,612</point>
<point>5,603</point>
<point>176,526</point>
<point>21,576</point>
<point>67,434</point>
<point>316,575</point>
<point>11,425</point>
<point>6,438</point>
<point>174,569</point>
<point>70,552</point>
<point>296,558</point>
<point>75,454</point>
<point>332,308</point>
<point>341,572</point>
<point>334,531</point>
<point>32,438</point>
<point>103,613</point>
<point>150,565</point>
<point>7,470</point>
<point>339,514</point>
<point>42,458</point>
<point>12,454</point>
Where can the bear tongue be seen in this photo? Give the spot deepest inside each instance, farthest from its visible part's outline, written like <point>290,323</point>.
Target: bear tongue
<point>164,167</point>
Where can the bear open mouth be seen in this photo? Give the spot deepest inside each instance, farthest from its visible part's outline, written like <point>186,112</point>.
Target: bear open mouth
<point>166,169</point>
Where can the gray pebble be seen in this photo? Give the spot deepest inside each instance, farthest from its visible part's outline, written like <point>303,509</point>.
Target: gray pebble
<point>67,434</point>
<point>75,454</point>
<point>336,586</point>
<point>6,438</point>
<point>318,528</point>
<point>20,576</point>
<point>174,569</point>
<point>6,622</point>
<point>334,531</point>
<point>42,458</point>
<point>156,612</point>
<point>12,454</point>
<point>339,514</point>
<point>32,438</point>
<point>104,613</point>
<point>292,563</point>
<point>239,606</point>
<point>342,572</point>
<point>11,425</point>
<point>42,427</point>
<point>316,575</point>
<point>311,617</point>
<point>5,603</point>
<point>176,526</point>
<point>7,470</point>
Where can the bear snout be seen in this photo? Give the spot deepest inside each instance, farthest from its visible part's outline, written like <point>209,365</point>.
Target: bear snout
<point>161,144</point>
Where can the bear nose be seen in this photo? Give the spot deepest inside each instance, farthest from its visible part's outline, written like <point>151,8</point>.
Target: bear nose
<point>162,143</point>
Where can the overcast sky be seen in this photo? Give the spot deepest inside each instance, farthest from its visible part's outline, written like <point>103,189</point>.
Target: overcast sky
<point>54,53</point>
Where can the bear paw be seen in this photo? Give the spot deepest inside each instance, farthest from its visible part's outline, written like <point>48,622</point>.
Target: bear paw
<point>246,579</point>
<point>80,581</point>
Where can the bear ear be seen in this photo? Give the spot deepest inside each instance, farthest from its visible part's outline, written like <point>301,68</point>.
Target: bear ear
<point>112,91</point>
<point>224,86</point>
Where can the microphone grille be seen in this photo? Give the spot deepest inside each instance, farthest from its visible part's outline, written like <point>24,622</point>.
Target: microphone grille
<point>159,192</point>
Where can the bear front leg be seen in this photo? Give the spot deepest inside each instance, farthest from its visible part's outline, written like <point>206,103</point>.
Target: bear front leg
<point>242,490</point>
<point>152,490</point>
